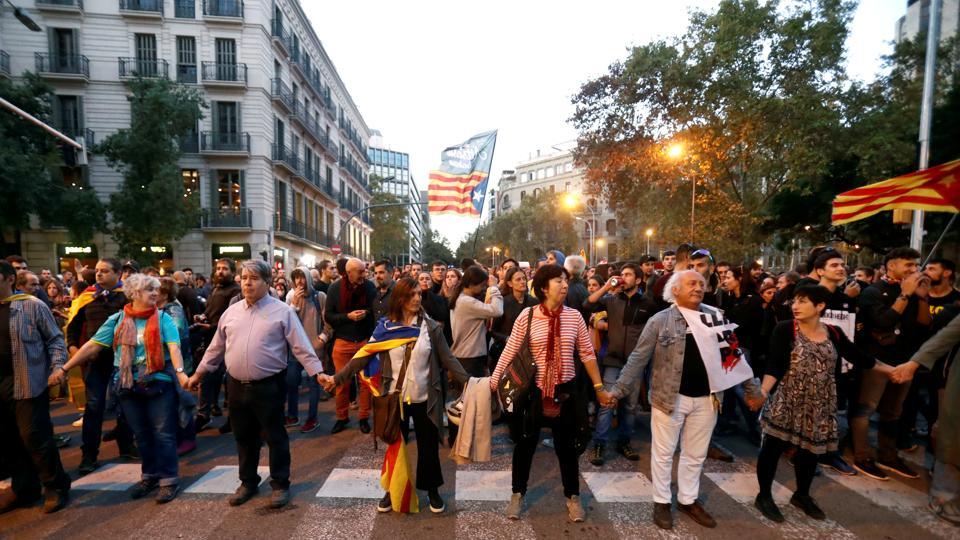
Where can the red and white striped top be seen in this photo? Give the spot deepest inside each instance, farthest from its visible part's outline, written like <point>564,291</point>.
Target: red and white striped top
<point>573,333</point>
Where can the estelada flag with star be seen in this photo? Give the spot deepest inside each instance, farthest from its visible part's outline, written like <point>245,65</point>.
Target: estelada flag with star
<point>459,186</point>
<point>936,189</point>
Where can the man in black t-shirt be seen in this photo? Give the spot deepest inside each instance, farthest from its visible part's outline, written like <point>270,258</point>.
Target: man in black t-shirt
<point>942,273</point>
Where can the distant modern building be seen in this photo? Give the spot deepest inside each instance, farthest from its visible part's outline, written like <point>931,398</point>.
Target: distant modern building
<point>279,161</point>
<point>393,168</point>
<point>554,171</point>
<point>917,19</point>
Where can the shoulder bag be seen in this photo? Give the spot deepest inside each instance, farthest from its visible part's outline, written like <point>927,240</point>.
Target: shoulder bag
<point>520,375</point>
<point>386,408</point>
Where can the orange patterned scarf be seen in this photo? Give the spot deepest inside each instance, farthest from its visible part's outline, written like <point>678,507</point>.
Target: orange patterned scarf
<point>126,338</point>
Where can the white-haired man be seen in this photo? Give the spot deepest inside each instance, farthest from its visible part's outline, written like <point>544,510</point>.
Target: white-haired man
<point>577,292</point>
<point>695,357</point>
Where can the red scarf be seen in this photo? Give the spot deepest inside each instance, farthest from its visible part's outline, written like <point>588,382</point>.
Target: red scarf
<point>347,292</point>
<point>552,376</point>
<point>126,338</point>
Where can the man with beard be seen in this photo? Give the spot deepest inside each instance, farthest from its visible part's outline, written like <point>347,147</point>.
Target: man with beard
<point>328,273</point>
<point>384,282</point>
<point>225,288</point>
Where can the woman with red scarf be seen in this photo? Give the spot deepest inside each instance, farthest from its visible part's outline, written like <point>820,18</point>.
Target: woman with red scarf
<point>146,347</point>
<point>555,333</point>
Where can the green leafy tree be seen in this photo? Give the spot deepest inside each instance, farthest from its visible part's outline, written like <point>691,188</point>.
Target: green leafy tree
<point>391,234</point>
<point>750,91</point>
<point>150,207</point>
<point>436,248</point>
<point>33,179</point>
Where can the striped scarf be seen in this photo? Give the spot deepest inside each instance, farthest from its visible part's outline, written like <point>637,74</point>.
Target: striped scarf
<point>126,338</point>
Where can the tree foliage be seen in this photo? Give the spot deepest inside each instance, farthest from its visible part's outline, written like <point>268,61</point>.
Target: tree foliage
<point>538,225</point>
<point>753,92</point>
<point>390,237</point>
<point>436,248</point>
<point>32,180</point>
<point>151,208</point>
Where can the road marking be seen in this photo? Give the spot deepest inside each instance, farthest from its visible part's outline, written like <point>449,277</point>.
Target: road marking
<point>111,477</point>
<point>224,479</point>
<point>623,487</point>
<point>486,519</point>
<point>352,484</point>
<point>742,487</point>
<point>484,485</point>
<point>899,498</point>
<point>635,520</point>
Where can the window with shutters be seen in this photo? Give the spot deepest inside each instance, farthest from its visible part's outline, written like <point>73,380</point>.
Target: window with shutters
<point>226,57</point>
<point>187,59</point>
<point>64,50</point>
<point>145,46</point>
<point>229,193</point>
<point>68,114</point>
<point>280,203</point>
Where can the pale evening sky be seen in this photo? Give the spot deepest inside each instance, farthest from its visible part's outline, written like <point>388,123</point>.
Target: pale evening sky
<point>430,74</point>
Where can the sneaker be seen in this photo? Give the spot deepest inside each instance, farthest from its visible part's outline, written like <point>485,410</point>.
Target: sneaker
<point>142,488</point>
<point>243,494</point>
<point>898,466</point>
<point>548,442</point>
<point>87,466</point>
<point>807,504</point>
<point>768,508</point>
<point>339,426</point>
<point>78,422</point>
<point>628,452</point>
<point>575,511</point>
<point>515,506</point>
<point>838,464</point>
<point>62,441</point>
<point>948,512</point>
<point>279,498</point>
<point>385,505</point>
<point>436,502</point>
<point>185,447</point>
<point>309,425</point>
<point>55,499</point>
<point>662,516</point>
<point>597,458</point>
<point>869,468</point>
<point>167,493</point>
<point>291,421</point>
<point>719,453</point>
<point>201,422</point>
<point>697,513</point>
<point>364,425</point>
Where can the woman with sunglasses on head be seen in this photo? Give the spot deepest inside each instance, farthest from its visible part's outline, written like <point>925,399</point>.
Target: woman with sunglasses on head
<point>555,332</point>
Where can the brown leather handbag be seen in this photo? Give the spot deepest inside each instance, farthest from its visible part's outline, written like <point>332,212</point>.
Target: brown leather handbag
<point>386,408</point>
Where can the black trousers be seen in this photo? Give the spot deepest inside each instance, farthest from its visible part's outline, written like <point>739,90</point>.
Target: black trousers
<point>429,475</point>
<point>804,465</point>
<point>256,412</point>
<point>563,445</point>
<point>27,448</point>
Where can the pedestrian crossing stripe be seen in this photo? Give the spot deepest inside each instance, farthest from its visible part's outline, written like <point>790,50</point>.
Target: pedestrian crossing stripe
<point>624,487</point>
<point>484,485</point>
<point>110,477</point>
<point>224,479</point>
<point>352,484</point>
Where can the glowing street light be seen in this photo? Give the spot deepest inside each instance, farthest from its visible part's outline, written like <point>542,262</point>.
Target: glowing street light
<point>675,151</point>
<point>571,201</point>
<point>649,233</point>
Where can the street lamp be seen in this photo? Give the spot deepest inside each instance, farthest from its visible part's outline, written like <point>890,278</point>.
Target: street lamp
<point>592,234</point>
<point>649,233</point>
<point>571,201</point>
<point>493,251</point>
<point>676,152</point>
<point>24,18</point>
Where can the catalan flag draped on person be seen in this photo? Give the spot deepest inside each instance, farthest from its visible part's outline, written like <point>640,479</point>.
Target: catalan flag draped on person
<point>395,474</point>
<point>936,189</point>
<point>459,186</point>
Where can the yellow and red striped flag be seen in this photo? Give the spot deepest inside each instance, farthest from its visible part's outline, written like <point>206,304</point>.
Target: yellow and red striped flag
<point>459,186</point>
<point>936,189</point>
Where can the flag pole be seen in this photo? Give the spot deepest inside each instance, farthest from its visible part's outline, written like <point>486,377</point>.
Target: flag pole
<point>483,203</point>
<point>936,245</point>
<point>926,113</point>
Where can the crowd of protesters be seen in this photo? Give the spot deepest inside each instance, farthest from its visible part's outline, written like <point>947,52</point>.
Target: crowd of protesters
<point>797,362</point>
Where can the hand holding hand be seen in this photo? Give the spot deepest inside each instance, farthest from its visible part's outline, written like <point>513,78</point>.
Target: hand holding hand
<point>57,377</point>
<point>904,372</point>
<point>183,379</point>
<point>326,381</point>
<point>357,314</point>
<point>606,399</point>
<point>193,382</point>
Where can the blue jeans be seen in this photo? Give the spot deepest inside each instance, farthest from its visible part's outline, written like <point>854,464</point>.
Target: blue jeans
<point>153,419</point>
<point>626,408</point>
<point>294,376</point>
<point>97,381</point>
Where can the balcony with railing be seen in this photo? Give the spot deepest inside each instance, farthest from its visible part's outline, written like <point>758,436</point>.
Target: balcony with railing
<point>237,217</point>
<point>218,74</point>
<point>281,36</point>
<point>300,230</point>
<point>63,66</point>
<point>4,64</point>
<point>353,169</point>
<point>187,73</point>
<point>282,94</point>
<point>190,144</point>
<point>212,142</point>
<point>285,157</point>
<point>60,6</point>
<point>223,10</point>
<point>185,9</point>
<point>152,9</point>
<point>329,106</point>
<point>354,137</point>
<point>143,67</point>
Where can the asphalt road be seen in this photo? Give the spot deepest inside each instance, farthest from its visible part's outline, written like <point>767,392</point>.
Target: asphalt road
<point>335,492</point>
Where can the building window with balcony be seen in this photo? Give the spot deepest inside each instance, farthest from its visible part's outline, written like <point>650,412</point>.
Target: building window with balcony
<point>64,50</point>
<point>68,114</point>
<point>280,203</point>
<point>226,59</point>
<point>191,182</point>
<point>329,223</point>
<point>298,206</point>
<point>145,50</point>
<point>228,193</point>
<point>187,59</point>
<point>226,125</point>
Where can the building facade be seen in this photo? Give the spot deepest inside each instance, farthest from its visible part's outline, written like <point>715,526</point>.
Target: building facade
<point>917,19</point>
<point>279,161</point>
<point>555,172</point>
<point>393,169</point>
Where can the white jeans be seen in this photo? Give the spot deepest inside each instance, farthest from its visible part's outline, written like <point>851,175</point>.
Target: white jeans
<point>694,418</point>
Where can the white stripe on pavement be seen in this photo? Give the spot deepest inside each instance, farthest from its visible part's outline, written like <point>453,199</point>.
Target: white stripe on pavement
<point>224,479</point>
<point>742,487</point>
<point>486,520</point>
<point>352,484</point>
<point>624,487</point>
<point>111,477</point>
<point>484,485</point>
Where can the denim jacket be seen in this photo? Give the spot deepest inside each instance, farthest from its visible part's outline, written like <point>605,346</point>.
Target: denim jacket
<point>664,339</point>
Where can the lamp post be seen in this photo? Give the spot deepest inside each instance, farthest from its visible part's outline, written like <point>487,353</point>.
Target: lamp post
<point>649,233</point>
<point>676,152</point>
<point>571,201</point>
<point>591,232</point>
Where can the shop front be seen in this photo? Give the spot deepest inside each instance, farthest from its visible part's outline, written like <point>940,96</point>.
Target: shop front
<point>159,257</point>
<point>68,254</point>
<point>237,252</point>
